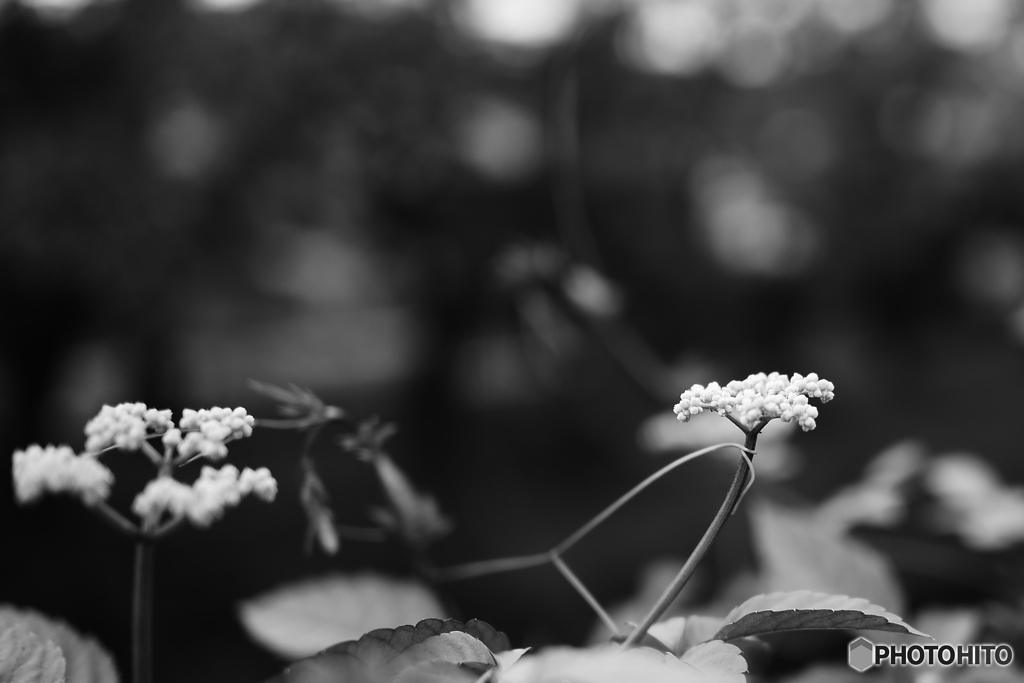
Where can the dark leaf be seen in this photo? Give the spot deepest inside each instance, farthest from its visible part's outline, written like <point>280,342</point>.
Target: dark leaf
<point>803,610</point>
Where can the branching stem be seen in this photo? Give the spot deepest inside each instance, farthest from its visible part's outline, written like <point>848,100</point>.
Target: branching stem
<point>732,498</point>
<point>582,590</point>
<point>486,567</point>
<point>115,519</point>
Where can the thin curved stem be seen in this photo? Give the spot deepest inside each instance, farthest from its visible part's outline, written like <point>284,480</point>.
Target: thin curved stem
<point>732,497</point>
<point>487,567</point>
<point>582,590</point>
<point>736,492</point>
<point>577,536</point>
<point>507,564</point>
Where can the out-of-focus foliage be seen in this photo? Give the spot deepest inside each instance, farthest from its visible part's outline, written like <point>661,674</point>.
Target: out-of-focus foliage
<point>301,619</point>
<point>328,192</point>
<point>433,649</point>
<point>28,659</point>
<point>321,170</point>
<point>57,652</point>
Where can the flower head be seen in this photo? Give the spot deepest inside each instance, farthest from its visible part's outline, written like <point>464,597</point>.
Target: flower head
<point>206,432</point>
<point>205,500</point>
<point>125,425</point>
<point>759,398</point>
<point>56,469</point>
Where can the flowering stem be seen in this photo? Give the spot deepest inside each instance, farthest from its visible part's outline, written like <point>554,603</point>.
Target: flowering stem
<point>142,612</point>
<point>724,512</point>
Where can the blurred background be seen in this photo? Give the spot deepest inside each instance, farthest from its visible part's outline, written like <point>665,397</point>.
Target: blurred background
<point>517,229</point>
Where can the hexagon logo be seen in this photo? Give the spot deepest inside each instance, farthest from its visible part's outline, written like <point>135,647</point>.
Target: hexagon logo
<point>861,655</point>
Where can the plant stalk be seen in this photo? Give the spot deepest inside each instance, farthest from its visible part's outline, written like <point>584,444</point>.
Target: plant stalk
<point>142,612</point>
<point>732,497</point>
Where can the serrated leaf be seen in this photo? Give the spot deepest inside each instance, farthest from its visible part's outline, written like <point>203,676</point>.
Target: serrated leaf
<point>457,647</point>
<point>26,658</point>
<point>385,655</point>
<point>398,639</point>
<point>798,551</point>
<point>607,664</point>
<point>679,634</point>
<point>297,620</point>
<point>717,658</point>
<point>86,661</point>
<point>804,610</point>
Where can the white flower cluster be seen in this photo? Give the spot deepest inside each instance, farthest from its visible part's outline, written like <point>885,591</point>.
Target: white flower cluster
<point>125,425</point>
<point>56,469</point>
<point>206,432</point>
<point>759,397</point>
<point>204,501</point>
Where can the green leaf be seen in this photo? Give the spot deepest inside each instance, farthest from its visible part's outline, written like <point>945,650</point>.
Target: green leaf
<point>798,551</point>
<point>26,658</point>
<point>299,619</point>
<point>395,655</point>
<point>86,661</point>
<point>804,610</point>
<point>723,660</point>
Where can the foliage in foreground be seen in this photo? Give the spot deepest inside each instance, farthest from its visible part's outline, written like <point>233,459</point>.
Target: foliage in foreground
<point>812,576</point>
